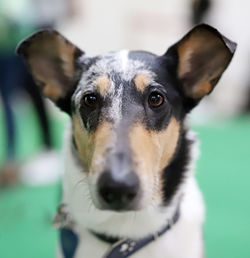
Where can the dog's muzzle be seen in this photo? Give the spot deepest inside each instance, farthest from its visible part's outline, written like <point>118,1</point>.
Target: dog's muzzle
<point>118,193</point>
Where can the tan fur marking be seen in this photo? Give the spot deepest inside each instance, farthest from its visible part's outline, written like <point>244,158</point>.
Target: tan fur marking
<point>66,51</point>
<point>153,151</point>
<point>51,61</point>
<point>52,87</point>
<point>142,81</point>
<point>168,140</point>
<point>55,46</point>
<point>185,52</point>
<point>84,143</point>
<point>186,49</point>
<point>92,147</point>
<point>52,91</point>
<point>201,89</point>
<point>155,146</point>
<point>102,139</point>
<point>191,45</point>
<point>103,85</point>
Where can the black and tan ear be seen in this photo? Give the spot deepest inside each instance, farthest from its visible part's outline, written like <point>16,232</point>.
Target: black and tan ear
<point>52,59</point>
<point>203,55</point>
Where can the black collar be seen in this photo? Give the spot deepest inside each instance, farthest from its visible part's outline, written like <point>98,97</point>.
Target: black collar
<point>121,248</point>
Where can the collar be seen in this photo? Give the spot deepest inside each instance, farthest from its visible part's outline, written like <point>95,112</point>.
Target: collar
<point>120,248</point>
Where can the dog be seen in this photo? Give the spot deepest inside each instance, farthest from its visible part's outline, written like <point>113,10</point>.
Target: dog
<point>129,188</point>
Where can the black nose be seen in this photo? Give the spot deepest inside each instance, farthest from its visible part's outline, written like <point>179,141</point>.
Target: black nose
<point>118,193</point>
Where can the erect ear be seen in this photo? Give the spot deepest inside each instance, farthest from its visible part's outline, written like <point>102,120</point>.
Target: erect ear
<point>52,61</point>
<point>203,55</point>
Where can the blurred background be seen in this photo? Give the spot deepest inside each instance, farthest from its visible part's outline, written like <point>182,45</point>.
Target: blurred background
<point>31,128</point>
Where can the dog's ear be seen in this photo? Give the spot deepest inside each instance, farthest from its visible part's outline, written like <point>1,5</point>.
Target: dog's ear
<point>202,56</point>
<point>52,61</point>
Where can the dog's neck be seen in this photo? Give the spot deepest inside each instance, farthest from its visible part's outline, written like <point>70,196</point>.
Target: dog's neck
<point>121,248</point>
<point>131,224</point>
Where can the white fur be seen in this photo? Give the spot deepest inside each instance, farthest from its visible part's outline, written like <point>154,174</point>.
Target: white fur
<point>116,106</point>
<point>124,58</point>
<point>184,240</point>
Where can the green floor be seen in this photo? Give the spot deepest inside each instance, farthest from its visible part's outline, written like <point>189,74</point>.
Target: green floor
<point>223,173</point>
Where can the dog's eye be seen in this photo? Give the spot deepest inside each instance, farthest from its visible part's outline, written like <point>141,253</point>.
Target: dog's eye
<point>155,99</point>
<point>90,100</point>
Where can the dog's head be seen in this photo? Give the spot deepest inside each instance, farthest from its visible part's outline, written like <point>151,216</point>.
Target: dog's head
<point>127,109</point>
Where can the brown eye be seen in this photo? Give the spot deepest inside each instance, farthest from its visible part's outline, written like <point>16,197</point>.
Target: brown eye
<point>90,100</point>
<point>155,99</point>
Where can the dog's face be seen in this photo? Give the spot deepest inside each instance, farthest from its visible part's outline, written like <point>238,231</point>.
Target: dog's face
<point>128,108</point>
<point>126,128</point>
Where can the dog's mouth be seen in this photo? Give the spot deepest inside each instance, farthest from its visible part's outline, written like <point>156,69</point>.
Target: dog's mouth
<point>118,207</point>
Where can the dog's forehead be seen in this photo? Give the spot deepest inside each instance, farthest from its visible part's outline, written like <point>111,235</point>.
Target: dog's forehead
<point>123,65</point>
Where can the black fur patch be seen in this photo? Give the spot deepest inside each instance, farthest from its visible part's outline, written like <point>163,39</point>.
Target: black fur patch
<point>174,173</point>
<point>90,116</point>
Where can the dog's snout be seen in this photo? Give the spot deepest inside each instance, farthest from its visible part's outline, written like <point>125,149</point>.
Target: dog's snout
<point>118,193</point>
